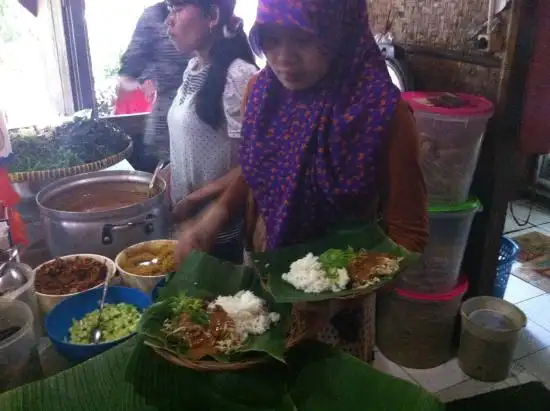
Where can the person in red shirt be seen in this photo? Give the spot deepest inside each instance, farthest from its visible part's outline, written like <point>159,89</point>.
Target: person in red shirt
<point>8,197</point>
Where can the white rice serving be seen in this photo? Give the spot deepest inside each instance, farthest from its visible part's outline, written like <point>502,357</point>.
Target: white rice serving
<point>308,275</point>
<point>248,312</point>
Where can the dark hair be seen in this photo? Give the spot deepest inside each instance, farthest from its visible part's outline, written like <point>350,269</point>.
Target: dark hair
<point>162,9</point>
<point>209,105</point>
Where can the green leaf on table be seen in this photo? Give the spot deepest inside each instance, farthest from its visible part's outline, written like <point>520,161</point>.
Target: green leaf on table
<point>131,377</point>
<point>325,379</point>
<point>272,265</point>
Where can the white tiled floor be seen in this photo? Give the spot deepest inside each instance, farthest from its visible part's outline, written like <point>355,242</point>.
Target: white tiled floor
<point>532,355</point>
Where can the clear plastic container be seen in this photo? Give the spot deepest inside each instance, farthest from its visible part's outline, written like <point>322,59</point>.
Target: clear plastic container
<point>490,332</point>
<point>19,359</point>
<point>27,295</point>
<point>417,330</point>
<point>438,269</point>
<point>451,128</point>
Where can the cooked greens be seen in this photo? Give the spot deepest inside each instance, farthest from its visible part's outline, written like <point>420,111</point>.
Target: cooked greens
<point>74,143</point>
<point>333,259</point>
<point>117,321</point>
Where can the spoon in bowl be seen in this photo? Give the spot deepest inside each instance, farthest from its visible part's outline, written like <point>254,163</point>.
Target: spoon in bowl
<point>96,334</point>
<point>158,169</point>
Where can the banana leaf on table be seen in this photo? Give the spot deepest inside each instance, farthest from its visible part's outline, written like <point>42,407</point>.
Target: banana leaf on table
<point>273,264</point>
<point>131,377</point>
<point>206,277</point>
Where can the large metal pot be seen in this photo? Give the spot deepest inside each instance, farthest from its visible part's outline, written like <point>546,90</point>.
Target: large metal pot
<point>105,232</point>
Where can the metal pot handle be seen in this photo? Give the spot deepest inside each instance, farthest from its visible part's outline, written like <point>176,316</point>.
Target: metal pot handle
<point>109,229</point>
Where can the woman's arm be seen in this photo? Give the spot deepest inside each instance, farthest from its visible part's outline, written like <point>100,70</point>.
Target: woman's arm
<point>216,187</point>
<point>404,196</point>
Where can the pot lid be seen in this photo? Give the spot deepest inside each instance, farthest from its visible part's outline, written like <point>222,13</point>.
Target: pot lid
<point>449,104</point>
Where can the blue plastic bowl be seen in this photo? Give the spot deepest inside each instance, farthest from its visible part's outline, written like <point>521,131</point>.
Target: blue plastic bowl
<point>60,319</point>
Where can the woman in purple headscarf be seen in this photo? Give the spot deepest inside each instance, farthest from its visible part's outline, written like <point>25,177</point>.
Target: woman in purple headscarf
<point>326,136</point>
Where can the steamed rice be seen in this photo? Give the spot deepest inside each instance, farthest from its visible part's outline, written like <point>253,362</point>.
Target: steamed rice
<point>307,274</point>
<point>248,312</point>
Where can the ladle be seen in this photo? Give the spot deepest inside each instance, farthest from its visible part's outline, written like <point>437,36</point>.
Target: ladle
<point>158,168</point>
<point>11,277</point>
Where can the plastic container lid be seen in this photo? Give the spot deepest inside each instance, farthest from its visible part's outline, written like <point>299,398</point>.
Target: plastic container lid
<point>458,291</point>
<point>472,204</point>
<point>449,104</point>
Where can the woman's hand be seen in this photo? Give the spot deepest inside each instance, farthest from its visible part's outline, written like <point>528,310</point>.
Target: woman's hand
<point>126,84</point>
<point>200,234</point>
<point>150,90</point>
<point>193,237</point>
<point>184,209</point>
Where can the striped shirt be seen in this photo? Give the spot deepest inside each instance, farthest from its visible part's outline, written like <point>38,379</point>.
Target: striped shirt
<point>200,154</point>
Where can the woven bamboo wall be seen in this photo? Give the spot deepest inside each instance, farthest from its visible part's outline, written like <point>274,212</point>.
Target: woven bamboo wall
<point>445,24</point>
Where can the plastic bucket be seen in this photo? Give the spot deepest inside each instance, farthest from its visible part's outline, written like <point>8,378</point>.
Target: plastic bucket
<point>489,336</point>
<point>417,330</point>
<point>506,257</point>
<point>19,360</point>
<point>438,269</point>
<point>451,128</point>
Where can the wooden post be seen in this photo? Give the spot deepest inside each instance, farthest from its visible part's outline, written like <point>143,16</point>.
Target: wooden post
<point>500,160</point>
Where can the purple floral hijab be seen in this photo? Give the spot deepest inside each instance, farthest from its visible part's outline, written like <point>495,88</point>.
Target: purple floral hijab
<point>311,157</point>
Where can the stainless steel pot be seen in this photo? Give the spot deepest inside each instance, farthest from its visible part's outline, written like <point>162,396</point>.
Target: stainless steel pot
<point>103,232</point>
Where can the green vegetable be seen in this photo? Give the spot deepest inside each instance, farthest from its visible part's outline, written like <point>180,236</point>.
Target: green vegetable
<point>177,306</point>
<point>334,259</point>
<point>117,321</point>
<point>74,143</point>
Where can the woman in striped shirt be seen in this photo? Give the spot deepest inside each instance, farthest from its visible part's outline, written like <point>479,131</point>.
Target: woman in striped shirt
<point>205,118</point>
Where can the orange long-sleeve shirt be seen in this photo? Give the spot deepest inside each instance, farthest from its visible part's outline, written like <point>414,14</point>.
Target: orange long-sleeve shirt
<point>401,187</point>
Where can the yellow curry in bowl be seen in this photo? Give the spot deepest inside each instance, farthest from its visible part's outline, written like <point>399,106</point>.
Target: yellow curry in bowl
<point>149,259</point>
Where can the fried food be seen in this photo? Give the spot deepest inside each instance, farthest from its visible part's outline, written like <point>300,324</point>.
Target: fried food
<point>149,259</point>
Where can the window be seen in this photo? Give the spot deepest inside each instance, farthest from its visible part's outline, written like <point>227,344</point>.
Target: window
<point>34,82</point>
<point>246,10</point>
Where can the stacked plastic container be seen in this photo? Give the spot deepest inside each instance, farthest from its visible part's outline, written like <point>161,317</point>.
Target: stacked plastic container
<point>451,128</point>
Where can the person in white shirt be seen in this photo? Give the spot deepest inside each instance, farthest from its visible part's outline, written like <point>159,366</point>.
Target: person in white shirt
<point>205,118</point>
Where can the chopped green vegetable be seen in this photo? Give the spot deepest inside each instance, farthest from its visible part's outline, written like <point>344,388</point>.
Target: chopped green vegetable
<point>192,306</point>
<point>334,259</point>
<point>117,321</point>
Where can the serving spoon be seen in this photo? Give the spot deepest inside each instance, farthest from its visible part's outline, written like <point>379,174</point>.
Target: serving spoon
<point>96,334</point>
<point>11,277</point>
<point>158,168</point>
